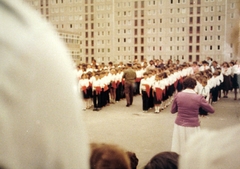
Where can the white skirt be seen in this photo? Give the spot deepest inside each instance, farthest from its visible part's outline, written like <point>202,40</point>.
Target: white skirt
<point>180,136</point>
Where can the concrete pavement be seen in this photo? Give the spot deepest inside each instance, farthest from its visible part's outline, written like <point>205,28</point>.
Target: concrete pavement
<point>147,134</point>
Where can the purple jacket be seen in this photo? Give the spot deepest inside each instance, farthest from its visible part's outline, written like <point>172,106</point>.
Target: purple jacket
<point>187,104</point>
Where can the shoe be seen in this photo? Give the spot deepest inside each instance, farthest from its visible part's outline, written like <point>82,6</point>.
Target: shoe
<point>95,109</point>
<point>127,105</point>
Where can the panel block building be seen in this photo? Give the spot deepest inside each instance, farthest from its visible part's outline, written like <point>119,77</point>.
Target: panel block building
<point>123,30</point>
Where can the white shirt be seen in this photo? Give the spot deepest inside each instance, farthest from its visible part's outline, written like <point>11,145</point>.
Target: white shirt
<point>142,86</point>
<point>204,91</point>
<point>226,71</point>
<point>236,69</point>
<point>202,68</point>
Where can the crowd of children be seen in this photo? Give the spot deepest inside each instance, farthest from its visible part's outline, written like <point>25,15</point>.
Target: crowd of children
<point>103,85</point>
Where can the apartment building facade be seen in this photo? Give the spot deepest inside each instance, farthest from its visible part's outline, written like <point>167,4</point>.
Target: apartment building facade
<point>123,30</point>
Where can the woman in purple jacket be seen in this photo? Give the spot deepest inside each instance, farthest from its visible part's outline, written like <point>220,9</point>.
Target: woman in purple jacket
<point>187,104</point>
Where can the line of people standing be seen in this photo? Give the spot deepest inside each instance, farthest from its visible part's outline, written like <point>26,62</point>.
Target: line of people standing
<point>101,87</point>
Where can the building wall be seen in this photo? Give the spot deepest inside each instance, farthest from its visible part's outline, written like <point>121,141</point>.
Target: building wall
<point>122,30</point>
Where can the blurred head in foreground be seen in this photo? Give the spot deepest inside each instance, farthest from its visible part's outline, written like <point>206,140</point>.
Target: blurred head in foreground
<point>108,156</point>
<point>41,124</point>
<point>163,160</point>
<point>212,150</point>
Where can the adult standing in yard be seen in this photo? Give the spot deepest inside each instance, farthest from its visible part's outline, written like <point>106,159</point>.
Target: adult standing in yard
<point>129,75</point>
<point>187,104</point>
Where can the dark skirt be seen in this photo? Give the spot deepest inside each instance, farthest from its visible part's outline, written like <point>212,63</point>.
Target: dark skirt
<point>85,95</point>
<point>203,112</point>
<point>155,99</point>
<point>89,92</point>
<point>165,94</point>
<point>235,81</point>
<point>227,83</point>
<point>171,90</point>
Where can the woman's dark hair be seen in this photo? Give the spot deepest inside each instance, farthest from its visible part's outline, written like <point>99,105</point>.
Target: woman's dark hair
<point>164,160</point>
<point>108,156</point>
<point>133,159</point>
<point>189,82</point>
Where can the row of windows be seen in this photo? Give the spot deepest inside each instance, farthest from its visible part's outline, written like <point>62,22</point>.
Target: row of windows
<point>171,39</point>
<point>129,13</point>
<point>75,39</point>
<point>129,22</point>
<point>141,4</point>
<point>124,4</point>
<point>191,49</point>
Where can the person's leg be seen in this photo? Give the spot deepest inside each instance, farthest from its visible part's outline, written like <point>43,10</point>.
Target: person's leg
<point>127,95</point>
<point>131,88</point>
<point>94,100</point>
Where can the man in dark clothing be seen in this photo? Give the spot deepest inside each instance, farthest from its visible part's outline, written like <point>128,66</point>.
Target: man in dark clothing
<point>129,75</point>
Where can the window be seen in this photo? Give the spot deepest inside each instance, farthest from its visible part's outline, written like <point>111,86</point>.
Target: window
<point>211,18</point>
<point>135,22</point>
<point>136,4</point>
<point>142,4</point>
<point>190,58</point>
<point>212,8</point>
<point>197,49</point>
<point>190,39</point>
<point>136,13</point>
<point>198,20</point>
<point>197,58</point>
<point>198,29</point>
<point>191,10</point>
<point>198,39</point>
<point>190,20</point>
<point>198,10</point>
<point>190,49</point>
<point>190,30</point>
<point>211,28</point>
<point>135,31</point>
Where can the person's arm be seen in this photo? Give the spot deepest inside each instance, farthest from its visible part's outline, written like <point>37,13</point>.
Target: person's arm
<point>206,106</point>
<point>140,87</point>
<point>174,108</point>
<point>123,75</point>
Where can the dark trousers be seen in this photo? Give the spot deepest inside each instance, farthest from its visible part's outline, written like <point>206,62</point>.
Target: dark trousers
<point>215,94</point>
<point>145,101</point>
<point>118,92</point>
<point>104,98</point>
<point>137,88</point>
<point>150,100</point>
<point>96,100</point>
<point>128,88</point>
